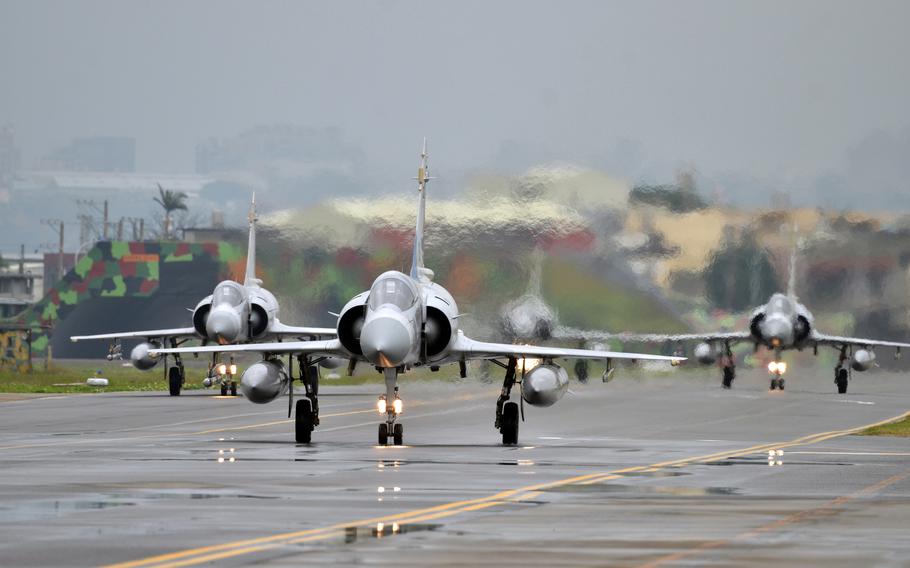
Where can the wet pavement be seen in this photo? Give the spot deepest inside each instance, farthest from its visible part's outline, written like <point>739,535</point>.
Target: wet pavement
<point>667,470</point>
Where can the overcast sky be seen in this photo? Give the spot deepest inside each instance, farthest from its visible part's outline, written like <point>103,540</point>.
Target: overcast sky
<point>775,94</point>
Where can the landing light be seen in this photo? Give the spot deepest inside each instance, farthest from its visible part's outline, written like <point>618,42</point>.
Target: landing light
<point>777,367</point>
<point>222,369</point>
<point>233,369</point>
<point>397,406</point>
<point>381,406</point>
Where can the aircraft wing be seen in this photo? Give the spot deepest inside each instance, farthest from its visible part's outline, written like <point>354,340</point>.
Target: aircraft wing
<point>563,332</point>
<point>481,350</point>
<point>823,339</point>
<point>279,328</point>
<point>327,347</point>
<point>148,334</point>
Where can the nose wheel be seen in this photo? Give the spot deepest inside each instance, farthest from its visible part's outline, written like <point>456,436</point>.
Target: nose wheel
<point>390,428</point>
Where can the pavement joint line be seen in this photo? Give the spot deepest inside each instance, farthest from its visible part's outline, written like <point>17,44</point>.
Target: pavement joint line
<point>231,549</point>
<point>827,509</point>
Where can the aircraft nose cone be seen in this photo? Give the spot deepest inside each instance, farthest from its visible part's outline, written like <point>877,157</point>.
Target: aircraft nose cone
<point>223,326</point>
<point>385,340</point>
<point>779,332</point>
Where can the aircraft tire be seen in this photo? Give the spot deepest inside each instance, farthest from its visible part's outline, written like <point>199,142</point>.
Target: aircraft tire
<point>841,381</point>
<point>383,434</point>
<point>233,388</point>
<point>224,390</point>
<point>510,424</point>
<point>773,384</point>
<point>174,381</point>
<point>303,422</point>
<point>398,434</point>
<point>728,378</point>
<point>780,384</point>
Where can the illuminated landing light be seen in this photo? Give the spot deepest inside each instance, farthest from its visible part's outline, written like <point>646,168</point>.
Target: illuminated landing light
<point>397,406</point>
<point>380,490</point>
<point>233,369</point>
<point>777,367</point>
<point>381,406</point>
<point>222,369</point>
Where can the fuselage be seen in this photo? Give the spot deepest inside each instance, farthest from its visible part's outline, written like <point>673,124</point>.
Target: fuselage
<point>782,323</point>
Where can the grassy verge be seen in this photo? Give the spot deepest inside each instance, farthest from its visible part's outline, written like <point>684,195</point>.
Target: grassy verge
<point>901,428</point>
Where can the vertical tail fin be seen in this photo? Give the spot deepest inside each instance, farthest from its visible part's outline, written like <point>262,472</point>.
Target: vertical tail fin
<point>418,270</point>
<point>791,282</point>
<point>250,278</point>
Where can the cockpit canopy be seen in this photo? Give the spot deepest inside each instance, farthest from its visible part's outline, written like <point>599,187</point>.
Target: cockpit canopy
<point>781,304</point>
<point>393,288</point>
<point>228,294</point>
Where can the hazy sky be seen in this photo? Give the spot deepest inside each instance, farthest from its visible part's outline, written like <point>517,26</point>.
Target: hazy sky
<point>786,93</point>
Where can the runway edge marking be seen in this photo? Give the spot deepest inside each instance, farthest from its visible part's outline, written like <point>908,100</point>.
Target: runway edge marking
<point>211,553</point>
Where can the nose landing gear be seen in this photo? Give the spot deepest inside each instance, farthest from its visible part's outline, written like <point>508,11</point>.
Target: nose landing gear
<point>390,428</point>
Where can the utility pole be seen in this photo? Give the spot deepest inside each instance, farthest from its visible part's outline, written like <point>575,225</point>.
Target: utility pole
<point>105,219</point>
<point>120,229</point>
<point>57,225</point>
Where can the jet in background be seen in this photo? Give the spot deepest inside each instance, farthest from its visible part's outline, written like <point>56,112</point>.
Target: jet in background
<point>781,324</point>
<point>406,321</point>
<point>233,313</point>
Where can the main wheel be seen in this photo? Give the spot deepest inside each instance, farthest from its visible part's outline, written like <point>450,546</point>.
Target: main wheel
<point>233,388</point>
<point>303,422</point>
<point>174,380</point>
<point>773,384</point>
<point>383,434</point>
<point>780,384</point>
<point>223,389</point>
<point>398,434</point>
<point>509,423</point>
<point>840,379</point>
<point>729,375</point>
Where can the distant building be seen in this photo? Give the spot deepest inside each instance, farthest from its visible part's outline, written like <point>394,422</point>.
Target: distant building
<point>20,285</point>
<point>95,154</point>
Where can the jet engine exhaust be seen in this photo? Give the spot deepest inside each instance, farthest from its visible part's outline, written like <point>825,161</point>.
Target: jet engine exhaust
<point>544,385</point>
<point>264,381</point>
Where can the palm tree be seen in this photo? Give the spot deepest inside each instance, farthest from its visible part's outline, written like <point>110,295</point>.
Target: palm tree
<point>170,201</point>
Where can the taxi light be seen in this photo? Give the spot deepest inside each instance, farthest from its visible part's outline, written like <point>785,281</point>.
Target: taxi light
<point>781,367</point>
<point>396,405</point>
<point>772,367</point>
<point>381,406</point>
<point>233,369</point>
<point>222,369</point>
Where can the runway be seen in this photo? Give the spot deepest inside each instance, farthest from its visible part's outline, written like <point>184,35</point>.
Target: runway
<point>662,471</point>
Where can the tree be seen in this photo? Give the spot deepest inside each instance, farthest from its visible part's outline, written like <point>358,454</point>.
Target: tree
<point>740,275</point>
<point>170,201</point>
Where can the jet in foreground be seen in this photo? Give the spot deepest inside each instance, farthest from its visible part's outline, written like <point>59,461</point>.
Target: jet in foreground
<point>780,324</point>
<point>233,313</point>
<point>406,321</point>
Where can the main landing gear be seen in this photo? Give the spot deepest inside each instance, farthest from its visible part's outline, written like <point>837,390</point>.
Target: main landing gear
<point>176,375</point>
<point>841,374</point>
<point>728,364</point>
<point>306,416</point>
<point>390,428</point>
<point>507,411</point>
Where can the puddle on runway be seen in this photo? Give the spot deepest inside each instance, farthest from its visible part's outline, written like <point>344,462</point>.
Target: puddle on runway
<point>648,489</point>
<point>49,509</point>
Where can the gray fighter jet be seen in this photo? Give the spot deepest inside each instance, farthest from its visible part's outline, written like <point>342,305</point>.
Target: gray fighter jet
<point>402,322</point>
<point>234,313</point>
<point>781,324</point>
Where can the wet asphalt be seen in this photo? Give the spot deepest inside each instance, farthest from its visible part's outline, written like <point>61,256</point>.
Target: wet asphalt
<point>659,471</point>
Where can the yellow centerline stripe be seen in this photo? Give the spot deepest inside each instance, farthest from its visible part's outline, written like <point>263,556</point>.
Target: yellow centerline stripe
<point>219,551</point>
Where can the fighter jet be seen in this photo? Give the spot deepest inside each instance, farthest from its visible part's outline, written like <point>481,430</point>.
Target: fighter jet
<point>407,321</point>
<point>782,323</point>
<point>233,313</point>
